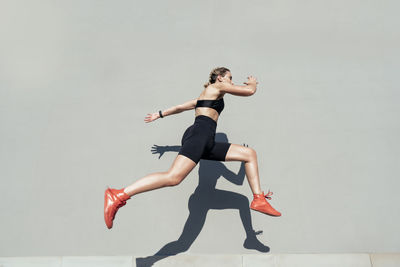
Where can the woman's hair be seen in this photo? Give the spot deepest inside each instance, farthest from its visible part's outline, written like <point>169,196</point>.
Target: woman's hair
<point>214,74</point>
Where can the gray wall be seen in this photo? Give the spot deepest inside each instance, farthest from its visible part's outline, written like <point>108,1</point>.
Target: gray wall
<point>78,77</point>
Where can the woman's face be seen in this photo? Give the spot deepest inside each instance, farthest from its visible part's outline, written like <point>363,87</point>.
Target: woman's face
<point>227,78</point>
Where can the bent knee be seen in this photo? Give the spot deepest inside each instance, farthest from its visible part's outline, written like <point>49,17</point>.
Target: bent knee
<point>245,200</point>
<point>251,154</point>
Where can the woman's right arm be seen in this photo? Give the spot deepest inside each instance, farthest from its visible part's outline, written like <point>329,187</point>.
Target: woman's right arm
<point>173,110</point>
<point>248,89</point>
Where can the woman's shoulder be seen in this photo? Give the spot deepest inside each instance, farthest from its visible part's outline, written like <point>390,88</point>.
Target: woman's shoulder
<point>212,91</point>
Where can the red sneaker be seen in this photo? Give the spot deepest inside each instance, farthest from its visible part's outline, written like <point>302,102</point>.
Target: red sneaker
<point>260,204</point>
<point>113,200</point>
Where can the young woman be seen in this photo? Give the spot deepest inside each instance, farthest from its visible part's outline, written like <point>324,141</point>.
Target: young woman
<point>198,143</point>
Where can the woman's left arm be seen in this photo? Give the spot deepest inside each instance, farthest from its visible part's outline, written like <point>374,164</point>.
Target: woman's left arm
<point>173,110</point>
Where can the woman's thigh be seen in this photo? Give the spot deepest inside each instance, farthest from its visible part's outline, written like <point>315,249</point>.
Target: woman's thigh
<point>239,153</point>
<point>181,167</point>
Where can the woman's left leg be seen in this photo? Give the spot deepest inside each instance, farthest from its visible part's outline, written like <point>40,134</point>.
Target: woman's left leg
<point>249,157</point>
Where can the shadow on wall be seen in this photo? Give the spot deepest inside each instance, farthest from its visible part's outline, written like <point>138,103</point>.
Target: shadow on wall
<point>204,198</point>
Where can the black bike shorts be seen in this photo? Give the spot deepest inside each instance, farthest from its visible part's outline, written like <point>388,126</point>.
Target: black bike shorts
<point>198,141</point>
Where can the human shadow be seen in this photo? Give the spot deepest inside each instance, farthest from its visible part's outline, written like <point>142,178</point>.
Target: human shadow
<point>204,198</point>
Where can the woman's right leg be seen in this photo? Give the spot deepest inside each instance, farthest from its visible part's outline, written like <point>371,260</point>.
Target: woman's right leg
<point>116,198</point>
<point>180,168</point>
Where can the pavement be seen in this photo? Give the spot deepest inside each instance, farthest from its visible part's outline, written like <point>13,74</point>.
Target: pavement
<point>211,260</point>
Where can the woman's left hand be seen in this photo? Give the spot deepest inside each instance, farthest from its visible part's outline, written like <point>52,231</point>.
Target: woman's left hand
<point>151,117</point>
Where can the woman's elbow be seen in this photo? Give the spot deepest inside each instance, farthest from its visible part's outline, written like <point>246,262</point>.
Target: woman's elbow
<point>180,109</point>
<point>252,91</point>
<point>177,109</point>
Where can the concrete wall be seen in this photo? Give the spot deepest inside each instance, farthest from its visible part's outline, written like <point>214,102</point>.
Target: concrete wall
<point>78,77</point>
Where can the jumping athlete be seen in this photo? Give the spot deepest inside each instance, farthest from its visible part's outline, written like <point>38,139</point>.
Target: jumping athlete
<point>198,143</point>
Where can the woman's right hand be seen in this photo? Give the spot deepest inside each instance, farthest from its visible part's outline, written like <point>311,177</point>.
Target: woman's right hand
<point>151,117</point>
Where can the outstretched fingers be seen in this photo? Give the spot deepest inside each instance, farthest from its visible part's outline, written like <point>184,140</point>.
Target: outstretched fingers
<point>150,117</point>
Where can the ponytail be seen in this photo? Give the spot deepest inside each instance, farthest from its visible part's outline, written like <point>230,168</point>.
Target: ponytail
<point>214,74</point>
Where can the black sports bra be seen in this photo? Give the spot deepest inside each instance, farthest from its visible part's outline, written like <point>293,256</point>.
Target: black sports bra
<point>217,104</point>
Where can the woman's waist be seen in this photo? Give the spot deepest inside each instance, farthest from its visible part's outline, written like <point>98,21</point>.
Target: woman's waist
<point>204,122</point>
<point>205,119</point>
<point>212,114</point>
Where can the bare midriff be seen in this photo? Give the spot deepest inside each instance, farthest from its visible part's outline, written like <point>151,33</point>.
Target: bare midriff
<point>209,112</point>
